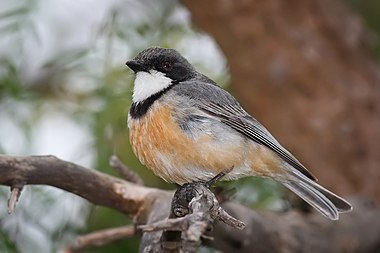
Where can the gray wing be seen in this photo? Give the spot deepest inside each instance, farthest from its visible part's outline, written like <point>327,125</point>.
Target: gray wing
<point>217,102</point>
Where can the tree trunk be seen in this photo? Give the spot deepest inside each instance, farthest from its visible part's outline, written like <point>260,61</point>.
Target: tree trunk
<point>304,70</point>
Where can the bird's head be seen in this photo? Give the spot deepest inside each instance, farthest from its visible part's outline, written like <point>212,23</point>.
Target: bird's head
<point>156,69</point>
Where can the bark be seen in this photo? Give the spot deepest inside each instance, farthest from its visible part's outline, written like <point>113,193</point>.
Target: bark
<point>302,68</point>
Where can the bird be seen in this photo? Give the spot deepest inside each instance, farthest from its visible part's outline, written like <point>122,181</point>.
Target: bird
<point>186,128</point>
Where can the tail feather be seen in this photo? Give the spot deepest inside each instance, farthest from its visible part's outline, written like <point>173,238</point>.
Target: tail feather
<point>314,198</point>
<point>326,202</point>
<point>341,204</point>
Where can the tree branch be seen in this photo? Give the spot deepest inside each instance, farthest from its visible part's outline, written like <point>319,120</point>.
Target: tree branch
<point>292,231</point>
<point>96,187</point>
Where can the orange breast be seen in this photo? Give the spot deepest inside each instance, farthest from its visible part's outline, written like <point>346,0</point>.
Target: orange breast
<point>164,147</point>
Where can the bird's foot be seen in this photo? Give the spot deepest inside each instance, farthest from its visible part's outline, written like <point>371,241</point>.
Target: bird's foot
<point>219,176</point>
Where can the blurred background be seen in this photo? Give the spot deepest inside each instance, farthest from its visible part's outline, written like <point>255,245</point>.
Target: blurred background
<point>307,73</point>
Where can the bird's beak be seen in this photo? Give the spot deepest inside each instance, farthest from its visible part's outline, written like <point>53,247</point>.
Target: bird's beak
<point>136,66</point>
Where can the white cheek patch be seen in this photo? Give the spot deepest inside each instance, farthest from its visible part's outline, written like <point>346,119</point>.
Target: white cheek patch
<point>149,83</point>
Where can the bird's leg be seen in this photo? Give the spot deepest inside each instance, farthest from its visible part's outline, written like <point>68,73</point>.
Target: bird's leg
<point>219,176</point>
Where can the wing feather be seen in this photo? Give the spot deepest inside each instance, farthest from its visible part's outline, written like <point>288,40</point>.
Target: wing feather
<point>218,103</point>
<point>235,117</point>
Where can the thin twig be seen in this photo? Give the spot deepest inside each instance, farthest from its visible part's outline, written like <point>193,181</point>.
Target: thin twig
<point>125,172</point>
<point>99,238</point>
<point>225,217</point>
<point>15,195</point>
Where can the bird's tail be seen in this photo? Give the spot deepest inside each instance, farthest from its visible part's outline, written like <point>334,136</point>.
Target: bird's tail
<point>326,202</point>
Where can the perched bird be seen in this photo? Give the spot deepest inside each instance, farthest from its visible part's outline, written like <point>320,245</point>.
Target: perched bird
<point>186,128</point>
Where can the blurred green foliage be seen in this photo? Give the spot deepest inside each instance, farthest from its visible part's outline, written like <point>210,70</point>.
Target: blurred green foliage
<point>45,72</point>
<point>369,10</point>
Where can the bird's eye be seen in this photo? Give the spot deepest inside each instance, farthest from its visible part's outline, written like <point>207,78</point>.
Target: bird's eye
<point>167,65</point>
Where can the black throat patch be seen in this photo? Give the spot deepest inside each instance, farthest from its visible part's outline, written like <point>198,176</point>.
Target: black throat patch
<point>139,109</point>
